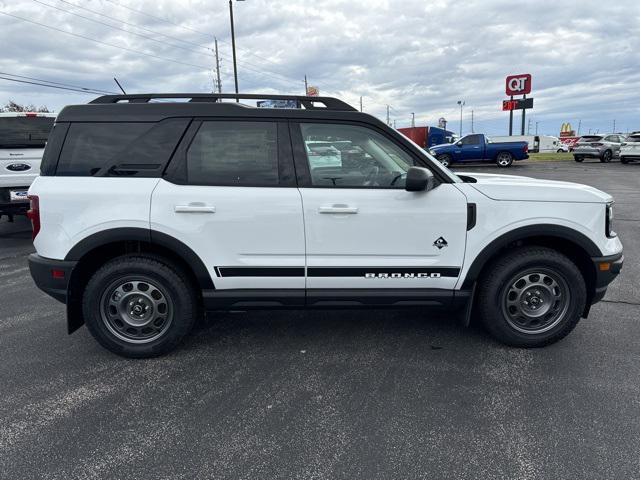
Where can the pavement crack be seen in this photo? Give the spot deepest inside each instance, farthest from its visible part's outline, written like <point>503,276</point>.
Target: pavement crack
<point>622,302</point>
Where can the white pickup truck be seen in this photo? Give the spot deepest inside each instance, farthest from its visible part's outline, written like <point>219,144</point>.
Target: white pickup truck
<point>22,139</point>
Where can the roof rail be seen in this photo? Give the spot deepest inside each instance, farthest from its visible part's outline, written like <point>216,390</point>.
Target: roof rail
<point>308,103</point>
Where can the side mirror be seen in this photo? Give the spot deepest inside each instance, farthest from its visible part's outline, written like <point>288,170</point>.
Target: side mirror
<point>623,144</point>
<point>419,179</point>
<point>459,144</point>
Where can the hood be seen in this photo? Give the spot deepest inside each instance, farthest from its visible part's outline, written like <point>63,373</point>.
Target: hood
<point>440,145</point>
<point>518,188</point>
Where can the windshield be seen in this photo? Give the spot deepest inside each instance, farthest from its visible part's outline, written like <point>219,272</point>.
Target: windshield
<point>24,132</point>
<point>633,139</point>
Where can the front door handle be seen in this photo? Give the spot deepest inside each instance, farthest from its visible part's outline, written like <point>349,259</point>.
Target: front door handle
<point>337,208</point>
<point>196,207</point>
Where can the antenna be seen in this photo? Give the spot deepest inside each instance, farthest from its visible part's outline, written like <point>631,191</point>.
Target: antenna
<point>119,86</point>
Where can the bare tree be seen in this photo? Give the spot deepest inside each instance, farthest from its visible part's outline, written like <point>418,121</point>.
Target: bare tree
<point>12,106</point>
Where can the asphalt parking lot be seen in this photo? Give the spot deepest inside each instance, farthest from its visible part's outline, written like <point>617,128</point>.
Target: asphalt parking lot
<point>327,395</point>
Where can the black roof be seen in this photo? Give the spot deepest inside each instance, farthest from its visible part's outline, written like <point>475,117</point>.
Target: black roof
<point>158,106</point>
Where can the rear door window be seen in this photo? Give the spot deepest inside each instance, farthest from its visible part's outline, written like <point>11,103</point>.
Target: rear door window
<point>234,153</point>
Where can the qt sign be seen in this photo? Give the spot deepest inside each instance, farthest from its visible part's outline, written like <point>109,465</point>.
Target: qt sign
<point>518,84</point>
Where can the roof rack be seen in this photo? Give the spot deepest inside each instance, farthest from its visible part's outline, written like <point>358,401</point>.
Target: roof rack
<point>308,103</point>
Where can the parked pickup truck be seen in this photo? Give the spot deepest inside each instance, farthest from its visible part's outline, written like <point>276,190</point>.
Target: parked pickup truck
<point>479,148</point>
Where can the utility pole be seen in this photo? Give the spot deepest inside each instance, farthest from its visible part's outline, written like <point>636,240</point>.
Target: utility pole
<point>360,102</point>
<point>394,124</point>
<point>388,121</point>
<point>218,82</point>
<point>529,126</point>
<point>306,86</point>
<point>413,120</point>
<point>472,131</point>
<point>579,125</point>
<point>537,127</point>
<point>614,126</point>
<point>233,47</point>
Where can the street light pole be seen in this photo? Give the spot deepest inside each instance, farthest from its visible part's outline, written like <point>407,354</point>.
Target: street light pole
<point>461,103</point>
<point>233,47</point>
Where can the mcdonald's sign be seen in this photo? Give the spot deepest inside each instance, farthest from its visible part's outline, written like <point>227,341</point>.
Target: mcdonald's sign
<point>566,131</point>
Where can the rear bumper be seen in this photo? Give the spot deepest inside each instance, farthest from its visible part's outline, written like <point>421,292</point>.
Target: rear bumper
<point>587,153</point>
<point>51,276</point>
<point>607,269</point>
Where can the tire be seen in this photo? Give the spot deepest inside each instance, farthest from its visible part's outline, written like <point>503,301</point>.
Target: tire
<point>152,287</point>
<point>504,159</point>
<point>509,287</point>
<point>624,160</point>
<point>559,150</point>
<point>444,159</point>
<point>606,157</point>
<point>578,158</point>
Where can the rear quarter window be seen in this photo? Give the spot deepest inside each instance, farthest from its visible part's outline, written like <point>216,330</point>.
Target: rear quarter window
<point>116,149</point>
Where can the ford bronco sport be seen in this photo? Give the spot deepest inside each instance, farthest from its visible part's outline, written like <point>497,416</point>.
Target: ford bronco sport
<point>209,204</point>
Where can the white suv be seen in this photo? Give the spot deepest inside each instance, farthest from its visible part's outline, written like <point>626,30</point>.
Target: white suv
<point>215,205</point>
<point>22,139</point>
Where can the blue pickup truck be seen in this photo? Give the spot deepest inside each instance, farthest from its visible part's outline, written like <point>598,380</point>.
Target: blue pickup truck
<point>479,148</point>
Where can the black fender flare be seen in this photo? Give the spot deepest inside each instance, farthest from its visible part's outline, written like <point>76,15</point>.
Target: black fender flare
<point>523,233</point>
<point>144,235</point>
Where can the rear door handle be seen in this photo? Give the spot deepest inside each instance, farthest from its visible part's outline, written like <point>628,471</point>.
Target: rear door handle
<point>194,208</point>
<point>337,208</point>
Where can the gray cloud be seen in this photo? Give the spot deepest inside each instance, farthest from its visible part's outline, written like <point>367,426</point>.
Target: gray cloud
<point>416,56</point>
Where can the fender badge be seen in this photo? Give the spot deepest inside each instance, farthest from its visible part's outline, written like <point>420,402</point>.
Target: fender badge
<point>440,243</point>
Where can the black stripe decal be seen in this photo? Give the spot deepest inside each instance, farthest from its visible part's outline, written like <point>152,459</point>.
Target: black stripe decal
<point>396,271</point>
<point>260,271</point>
<point>393,272</point>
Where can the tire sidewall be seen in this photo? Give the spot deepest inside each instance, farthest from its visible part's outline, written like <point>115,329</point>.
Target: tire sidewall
<point>499,283</point>
<point>182,299</point>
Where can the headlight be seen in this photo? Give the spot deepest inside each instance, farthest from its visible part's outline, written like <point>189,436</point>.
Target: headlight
<point>609,221</point>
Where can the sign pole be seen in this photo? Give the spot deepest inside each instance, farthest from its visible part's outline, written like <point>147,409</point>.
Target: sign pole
<point>511,119</point>
<point>523,115</point>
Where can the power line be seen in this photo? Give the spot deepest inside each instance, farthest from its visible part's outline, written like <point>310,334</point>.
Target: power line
<point>80,90</point>
<point>241,62</point>
<point>159,18</point>
<point>208,35</point>
<point>135,26</point>
<point>105,43</point>
<point>95,90</point>
<point>122,29</point>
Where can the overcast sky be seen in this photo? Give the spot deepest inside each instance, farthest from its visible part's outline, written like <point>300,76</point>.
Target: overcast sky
<point>417,56</point>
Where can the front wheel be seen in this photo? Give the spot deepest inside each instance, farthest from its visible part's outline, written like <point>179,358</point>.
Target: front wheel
<point>531,297</point>
<point>624,160</point>
<point>578,158</point>
<point>138,306</point>
<point>504,159</point>
<point>444,159</point>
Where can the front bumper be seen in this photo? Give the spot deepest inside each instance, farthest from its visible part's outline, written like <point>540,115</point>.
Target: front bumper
<point>51,276</point>
<point>607,269</point>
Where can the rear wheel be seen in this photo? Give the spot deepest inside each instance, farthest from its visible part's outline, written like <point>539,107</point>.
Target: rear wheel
<point>531,297</point>
<point>444,159</point>
<point>138,306</point>
<point>504,159</point>
<point>606,156</point>
<point>578,158</point>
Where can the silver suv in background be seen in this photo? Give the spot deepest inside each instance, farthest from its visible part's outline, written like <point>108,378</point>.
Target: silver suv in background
<point>22,139</point>
<point>630,150</point>
<point>603,147</point>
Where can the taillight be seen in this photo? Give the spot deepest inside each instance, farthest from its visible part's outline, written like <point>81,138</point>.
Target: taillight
<point>525,149</point>
<point>34,214</point>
